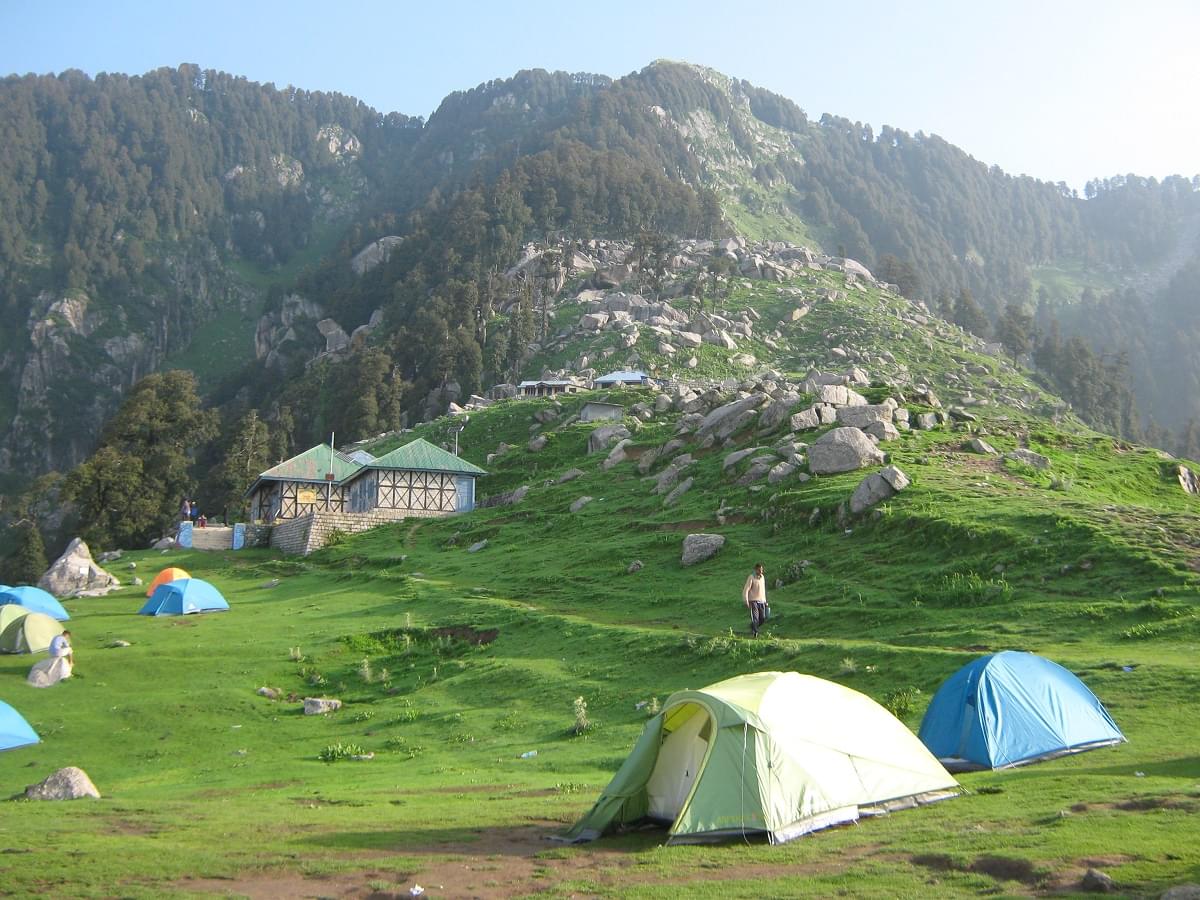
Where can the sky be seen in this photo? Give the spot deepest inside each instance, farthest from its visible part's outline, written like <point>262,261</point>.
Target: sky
<point>1059,89</point>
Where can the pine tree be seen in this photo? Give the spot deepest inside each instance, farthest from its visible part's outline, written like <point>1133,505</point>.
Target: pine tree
<point>969,316</point>
<point>1014,330</point>
<point>28,561</point>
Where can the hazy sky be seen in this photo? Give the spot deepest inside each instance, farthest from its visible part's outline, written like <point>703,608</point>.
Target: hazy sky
<point>1059,90</point>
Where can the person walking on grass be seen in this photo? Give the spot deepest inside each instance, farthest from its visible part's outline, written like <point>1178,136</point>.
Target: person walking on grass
<point>754,595</point>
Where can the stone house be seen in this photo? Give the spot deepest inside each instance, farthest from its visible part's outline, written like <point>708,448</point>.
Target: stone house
<point>549,388</point>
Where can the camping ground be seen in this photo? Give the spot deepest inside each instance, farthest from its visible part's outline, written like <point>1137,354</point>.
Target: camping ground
<point>474,659</point>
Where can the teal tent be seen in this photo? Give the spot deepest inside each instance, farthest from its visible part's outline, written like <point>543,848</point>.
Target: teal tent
<point>14,730</point>
<point>34,599</point>
<point>1010,709</point>
<point>184,596</point>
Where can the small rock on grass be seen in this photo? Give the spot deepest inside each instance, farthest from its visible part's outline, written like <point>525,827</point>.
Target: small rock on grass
<point>269,693</point>
<point>119,643</point>
<point>1097,882</point>
<point>477,546</point>
<point>635,566</point>
<point>318,706</point>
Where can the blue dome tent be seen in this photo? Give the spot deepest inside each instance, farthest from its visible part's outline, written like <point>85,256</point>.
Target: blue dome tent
<point>14,730</point>
<point>35,600</point>
<point>1010,709</point>
<point>179,598</point>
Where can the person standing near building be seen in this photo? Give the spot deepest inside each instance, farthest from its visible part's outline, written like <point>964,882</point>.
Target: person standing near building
<point>754,595</point>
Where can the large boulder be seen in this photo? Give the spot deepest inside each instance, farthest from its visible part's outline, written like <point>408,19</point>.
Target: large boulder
<point>605,436</point>
<point>730,418</point>
<point>75,572</point>
<point>805,420</point>
<point>839,395</point>
<point>70,783</point>
<point>842,450</point>
<point>699,547</point>
<point>776,412</point>
<point>1029,458</point>
<point>877,487</point>
<point>864,415</point>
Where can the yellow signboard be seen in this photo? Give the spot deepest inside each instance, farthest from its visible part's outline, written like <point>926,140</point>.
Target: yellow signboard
<point>306,496</point>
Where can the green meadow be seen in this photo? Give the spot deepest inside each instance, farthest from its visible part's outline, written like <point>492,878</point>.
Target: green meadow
<point>456,758</point>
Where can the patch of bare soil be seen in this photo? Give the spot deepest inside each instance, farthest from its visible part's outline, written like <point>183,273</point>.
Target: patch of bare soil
<point>1006,868</point>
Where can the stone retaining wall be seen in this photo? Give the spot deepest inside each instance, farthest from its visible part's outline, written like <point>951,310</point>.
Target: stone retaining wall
<point>305,534</point>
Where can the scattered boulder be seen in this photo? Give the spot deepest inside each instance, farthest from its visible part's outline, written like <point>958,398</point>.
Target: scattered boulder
<point>839,395</point>
<point>319,706</point>
<point>680,489</point>
<point>927,421</point>
<point>732,417</point>
<point>780,472</point>
<point>537,443</point>
<point>605,436</point>
<point>580,503</point>
<point>882,431</point>
<point>979,445</point>
<point>70,783</point>
<point>776,412</point>
<point>842,450</point>
<point>877,487</point>
<point>699,547</point>
<point>1029,458</point>
<point>635,566</point>
<point>75,571</point>
<point>805,420</point>
<point>477,546</point>
<point>268,692</point>
<point>864,415</point>
<point>759,466</point>
<point>119,643</point>
<point>111,556</point>
<point>165,543</point>
<point>1182,892</point>
<point>736,457</point>
<point>136,582</point>
<point>1097,882</point>
<point>569,475</point>
<point>616,455</point>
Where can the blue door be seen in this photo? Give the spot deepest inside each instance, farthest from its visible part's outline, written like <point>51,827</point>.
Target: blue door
<point>464,493</point>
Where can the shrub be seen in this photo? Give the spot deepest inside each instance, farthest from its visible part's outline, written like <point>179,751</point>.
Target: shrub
<point>339,751</point>
<point>966,589</point>
<point>849,666</point>
<point>900,702</point>
<point>364,671</point>
<point>582,722</point>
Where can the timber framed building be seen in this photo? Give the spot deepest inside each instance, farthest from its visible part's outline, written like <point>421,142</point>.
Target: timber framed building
<point>321,490</point>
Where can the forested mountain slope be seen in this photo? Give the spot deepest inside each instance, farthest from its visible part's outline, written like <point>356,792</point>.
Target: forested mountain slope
<point>191,218</point>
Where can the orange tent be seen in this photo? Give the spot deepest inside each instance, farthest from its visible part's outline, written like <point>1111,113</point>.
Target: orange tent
<point>169,574</point>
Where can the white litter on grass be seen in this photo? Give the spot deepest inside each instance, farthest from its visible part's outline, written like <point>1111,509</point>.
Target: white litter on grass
<point>1139,774</point>
<point>416,890</point>
<point>528,754</point>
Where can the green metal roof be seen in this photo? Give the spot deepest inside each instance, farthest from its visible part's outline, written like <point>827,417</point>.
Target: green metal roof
<point>311,465</point>
<point>424,456</point>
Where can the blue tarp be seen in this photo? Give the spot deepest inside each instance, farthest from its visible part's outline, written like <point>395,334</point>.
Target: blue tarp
<point>14,730</point>
<point>35,600</point>
<point>1012,708</point>
<point>187,595</point>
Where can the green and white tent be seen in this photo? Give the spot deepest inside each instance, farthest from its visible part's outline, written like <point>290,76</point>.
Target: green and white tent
<point>773,752</point>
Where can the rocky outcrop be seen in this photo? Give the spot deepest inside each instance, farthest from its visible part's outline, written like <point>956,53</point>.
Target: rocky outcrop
<point>842,450</point>
<point>374,253</point>
<point>342,144</point>
<point>319,706</point>
<point>1029,458</point>
<point>279,331</point>
<point>1188,480</point>
<point>75,573</point>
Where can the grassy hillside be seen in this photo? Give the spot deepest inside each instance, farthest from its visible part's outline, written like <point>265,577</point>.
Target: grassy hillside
<point>454,664</point>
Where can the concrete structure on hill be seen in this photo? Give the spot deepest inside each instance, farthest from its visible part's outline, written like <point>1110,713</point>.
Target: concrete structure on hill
<point>549,388</point>
<point>597,411</point>
<point>622,379</point>
<point>322,490</point>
